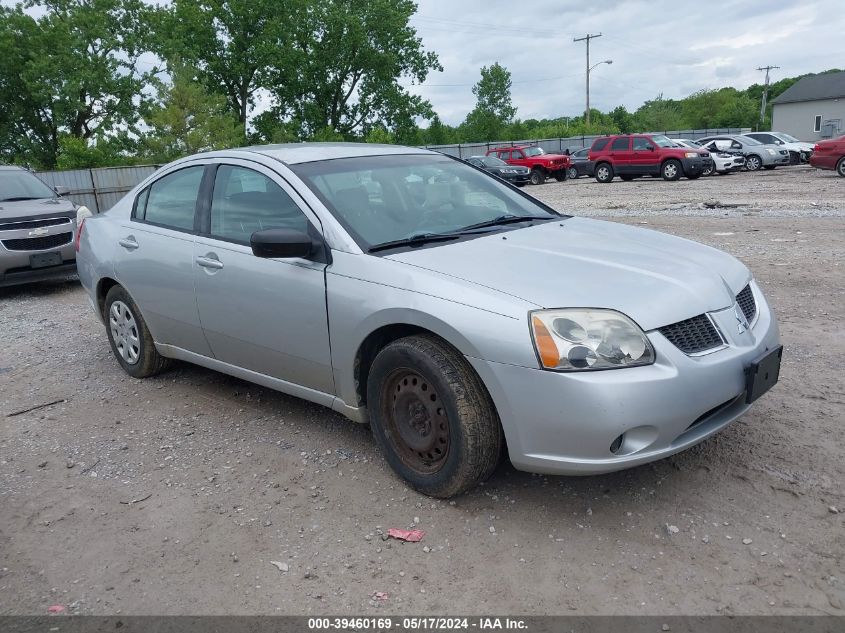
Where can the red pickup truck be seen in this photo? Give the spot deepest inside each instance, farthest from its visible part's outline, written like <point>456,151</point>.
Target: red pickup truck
<point>542,165</point>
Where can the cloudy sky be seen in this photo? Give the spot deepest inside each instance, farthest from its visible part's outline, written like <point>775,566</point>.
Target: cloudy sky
<point>674,48</point>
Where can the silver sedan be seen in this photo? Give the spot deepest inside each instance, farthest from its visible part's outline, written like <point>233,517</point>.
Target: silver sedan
<point>461,318</point>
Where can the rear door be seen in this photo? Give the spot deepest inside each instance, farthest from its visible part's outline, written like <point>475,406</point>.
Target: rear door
<point>265,315</point>
<point>621,155</point>
<point>154,261</point>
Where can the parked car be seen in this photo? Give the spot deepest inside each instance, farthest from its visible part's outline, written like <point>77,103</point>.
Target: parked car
<point>430,313</point>
<point>799,151</point>
<point>830,154</point>
<point>514,174</point>
<point>37,229</point>
<point>756,154</point>
<point>581,165</point>
<point>542,165</point>
<point>630,156</point>
<point>723,163</point>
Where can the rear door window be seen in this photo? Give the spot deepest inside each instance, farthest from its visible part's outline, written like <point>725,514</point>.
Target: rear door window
<point>620,144</point>
<point>172,200</point>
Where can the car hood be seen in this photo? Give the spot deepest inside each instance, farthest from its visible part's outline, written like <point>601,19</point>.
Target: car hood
<point>654,278</point>
<point>552,156</point>
<point>44,207</point>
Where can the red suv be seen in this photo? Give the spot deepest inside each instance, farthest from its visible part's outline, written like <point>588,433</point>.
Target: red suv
<point>633,155</point>
<point>830,154</point>
<point>542,165</point>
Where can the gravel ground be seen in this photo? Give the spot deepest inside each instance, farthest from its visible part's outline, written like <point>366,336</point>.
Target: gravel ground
<point>173,495</point>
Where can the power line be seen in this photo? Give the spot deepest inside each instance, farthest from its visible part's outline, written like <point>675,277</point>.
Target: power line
<point>765,95</point>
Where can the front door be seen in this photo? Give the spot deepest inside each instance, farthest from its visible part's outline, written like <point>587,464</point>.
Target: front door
<point>265,315</point>
<point>155,264</point>
<point>644,158</point>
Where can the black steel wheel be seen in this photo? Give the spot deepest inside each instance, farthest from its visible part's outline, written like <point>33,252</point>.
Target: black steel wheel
<point>432,416</point>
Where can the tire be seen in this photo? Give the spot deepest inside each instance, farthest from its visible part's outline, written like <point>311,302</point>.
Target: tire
<point>840,167</point>
<point>130,339</point>
<point>769,167</point>
<point>418,383</point>
<point>627,178</point>
<point>710,170</point>
<point>671,170</point>
<point>604,172</point>
<point>753,162</point>
<point>572,173</point>
<point>560,176</point>
<point>538,176</point>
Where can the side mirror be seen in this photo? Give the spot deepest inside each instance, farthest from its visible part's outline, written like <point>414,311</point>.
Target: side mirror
<point>283,243</point>
<point>61,190</point>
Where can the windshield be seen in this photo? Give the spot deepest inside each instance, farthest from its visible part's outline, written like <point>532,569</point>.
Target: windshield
<point>492,161</point>
<point>19,184</point>
<point>533,151</point>
<point>749,141</point>
<point>786,137</point>
<point>386,198</point>
<point>662,141</point>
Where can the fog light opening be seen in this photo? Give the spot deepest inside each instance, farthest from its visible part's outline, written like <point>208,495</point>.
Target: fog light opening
<point>617,444</point>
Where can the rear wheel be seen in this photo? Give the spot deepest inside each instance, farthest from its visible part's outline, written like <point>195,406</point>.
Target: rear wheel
<point>572,173</point>
<point>538,176</point>
<point>131,341</point>
<point>432,416</point>
<point>753,162</point>
<point>840,167</point>
<point>604,172</point>
<point>560,176</point>
<point>671,170</point>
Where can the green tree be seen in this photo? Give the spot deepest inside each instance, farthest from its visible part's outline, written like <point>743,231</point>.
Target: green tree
<point>494,109</point>
<point>187,119</point>
<point>72,71</point>
<point>659,115</point>
<point>235,45</point>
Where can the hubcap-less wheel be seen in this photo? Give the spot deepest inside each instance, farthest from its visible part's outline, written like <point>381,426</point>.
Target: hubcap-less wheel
<point>752,163</point>
<point>417,424</point>
<point>124,331</point>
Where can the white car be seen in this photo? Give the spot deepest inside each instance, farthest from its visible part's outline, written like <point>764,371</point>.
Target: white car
<point>799,151</point>
<point>723,163</point>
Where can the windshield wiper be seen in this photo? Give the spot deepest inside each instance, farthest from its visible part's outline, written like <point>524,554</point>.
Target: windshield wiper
<point>19,198</point>
<point>505,219</point>
<point>418,239</point>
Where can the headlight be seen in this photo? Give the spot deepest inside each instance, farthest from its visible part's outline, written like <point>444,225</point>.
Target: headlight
<point>81,213</point>
<point>772,152</point>
<point>579,339</point>
<point>691,154</point>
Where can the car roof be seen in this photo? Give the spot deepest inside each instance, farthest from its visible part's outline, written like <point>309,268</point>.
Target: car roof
<point>12,168</point>
<point>295,153</point>
<point>493,149</point>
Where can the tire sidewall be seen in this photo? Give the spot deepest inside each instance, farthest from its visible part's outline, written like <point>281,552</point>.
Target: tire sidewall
<point>396,357</point>
<point>678,168</point>
<point>756,160</point>
<point>572,173</point>
<point>840,167</point>
<point>538,175</point>
<point>609,169</point>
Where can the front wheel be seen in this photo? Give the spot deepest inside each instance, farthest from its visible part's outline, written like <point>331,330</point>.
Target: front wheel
<point>538,176</point>
<point>709,170</point>
<point>604,173</point>
<point>840,167</point>
<point>131,341</point>
<point>753,163</point>
<point>671,170</point>
<point>560,176</point>
<point>572,173</point>
<point>432,417</point>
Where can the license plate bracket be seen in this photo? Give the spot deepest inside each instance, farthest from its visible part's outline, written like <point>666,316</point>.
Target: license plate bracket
<point>43,260</point>
<point>763,374</point>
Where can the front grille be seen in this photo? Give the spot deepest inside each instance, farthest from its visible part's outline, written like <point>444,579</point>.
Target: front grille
<point>746,302</point>
<point>693,335</point>
<point>33,224</point>
<point>38,243</point>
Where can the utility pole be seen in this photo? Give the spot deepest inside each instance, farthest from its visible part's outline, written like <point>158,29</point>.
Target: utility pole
<point>587,39</point>
<point>765,95</point>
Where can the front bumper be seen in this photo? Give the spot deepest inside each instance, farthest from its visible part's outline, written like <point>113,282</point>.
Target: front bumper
<point>17,248</point>
<point>565,423</point>
<point>694,166</point>
<point>517,179</point>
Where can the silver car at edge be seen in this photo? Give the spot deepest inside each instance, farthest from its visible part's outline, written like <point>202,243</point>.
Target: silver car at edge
<point>457,315</point>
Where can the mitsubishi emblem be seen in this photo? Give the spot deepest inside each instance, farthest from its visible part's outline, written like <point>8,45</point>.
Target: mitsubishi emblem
<point>741,321</point>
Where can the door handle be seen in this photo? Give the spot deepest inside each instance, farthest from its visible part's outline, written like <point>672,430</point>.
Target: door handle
<point>209,262</point>
<point>128,243</point>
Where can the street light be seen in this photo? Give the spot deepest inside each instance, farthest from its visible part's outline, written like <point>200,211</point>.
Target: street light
<point>589,70</point>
